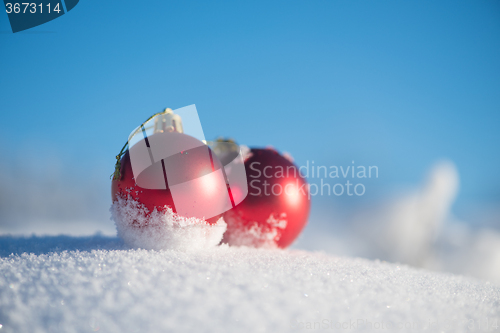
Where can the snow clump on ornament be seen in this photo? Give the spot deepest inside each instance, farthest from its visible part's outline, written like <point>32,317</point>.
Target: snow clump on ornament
<point>161,230</point>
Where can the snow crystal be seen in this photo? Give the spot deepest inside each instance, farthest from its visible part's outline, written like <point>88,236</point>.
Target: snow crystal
<point>162,229</point>
<point>229,289</point>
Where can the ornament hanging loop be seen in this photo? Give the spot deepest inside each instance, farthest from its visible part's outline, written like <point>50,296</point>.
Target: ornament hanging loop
<point>168,121</point>
<point>165,121</point>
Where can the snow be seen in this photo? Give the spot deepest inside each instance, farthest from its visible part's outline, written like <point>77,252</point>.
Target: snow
<point>253,234</point>
<point>160,230</point>
<point>84,284</point>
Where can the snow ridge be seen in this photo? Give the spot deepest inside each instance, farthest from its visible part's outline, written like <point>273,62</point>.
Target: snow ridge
<point>233,289</point>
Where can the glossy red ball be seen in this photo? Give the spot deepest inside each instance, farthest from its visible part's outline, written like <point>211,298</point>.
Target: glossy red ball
<point>195,166</point>
<point>277,206</point>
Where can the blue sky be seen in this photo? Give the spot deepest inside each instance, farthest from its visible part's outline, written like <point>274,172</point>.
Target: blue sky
<point>397,84</point>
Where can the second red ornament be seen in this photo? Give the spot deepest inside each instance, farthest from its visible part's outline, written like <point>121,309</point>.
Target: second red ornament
<point>277,205</point>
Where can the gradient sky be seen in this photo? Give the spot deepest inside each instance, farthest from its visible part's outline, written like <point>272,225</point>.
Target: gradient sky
<point>397,84</point>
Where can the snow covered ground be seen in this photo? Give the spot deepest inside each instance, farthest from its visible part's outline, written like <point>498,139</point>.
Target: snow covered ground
<point>85,284</point>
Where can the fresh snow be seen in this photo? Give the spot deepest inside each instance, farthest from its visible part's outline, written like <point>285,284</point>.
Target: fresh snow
<point>84,284</point>
<point>162,230</point>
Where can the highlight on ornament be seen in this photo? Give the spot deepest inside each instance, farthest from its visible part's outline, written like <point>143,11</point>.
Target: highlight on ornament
<point>172,189</point>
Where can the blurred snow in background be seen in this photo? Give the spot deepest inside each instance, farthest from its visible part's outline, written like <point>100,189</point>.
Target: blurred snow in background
<point>40,194</point>
<point>415,228</point>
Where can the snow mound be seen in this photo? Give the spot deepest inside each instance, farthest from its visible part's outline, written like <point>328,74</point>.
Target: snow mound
<point>230,289</point>
<point>162,230</point>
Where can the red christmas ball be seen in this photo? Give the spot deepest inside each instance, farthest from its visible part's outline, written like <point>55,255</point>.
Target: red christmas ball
<point>277,205</point>
<point>190,165</point>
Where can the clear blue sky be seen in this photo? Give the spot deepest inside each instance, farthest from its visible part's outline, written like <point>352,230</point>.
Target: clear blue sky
<point>398,84</point>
